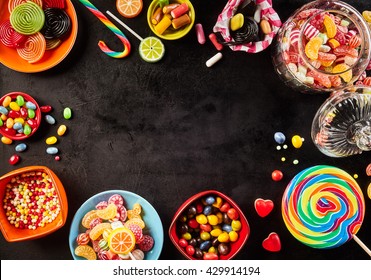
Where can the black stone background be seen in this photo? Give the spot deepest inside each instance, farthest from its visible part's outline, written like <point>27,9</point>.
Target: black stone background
<point>169,130</point>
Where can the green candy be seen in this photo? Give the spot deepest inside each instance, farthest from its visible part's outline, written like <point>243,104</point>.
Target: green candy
<point>20,100</point>
<point>27,18</point>
<point>27,129</point>
<point>1,122</point>
<point>31,113</point>
<point>67,113</point>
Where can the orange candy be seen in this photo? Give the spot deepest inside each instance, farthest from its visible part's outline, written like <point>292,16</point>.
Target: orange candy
<point>121,241</point>
<point>129,8</point>
<point>330,26</point>
<point>312,48</point>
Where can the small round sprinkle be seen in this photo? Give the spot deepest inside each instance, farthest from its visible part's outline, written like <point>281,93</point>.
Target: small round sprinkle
<point>283,159</point>
<point>295,161</point>
<point>355,176</point>
<point>278,148</point>
<point>285,146</point>
<point>57,158</point>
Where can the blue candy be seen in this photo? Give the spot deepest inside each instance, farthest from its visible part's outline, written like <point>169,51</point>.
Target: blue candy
<point>207,210</point>
<point>227,228</point>
<point>3,110</point>
<point>209,200</point>
<point>279,137</point>
<point>30,105</point>
<point>17,126</point>
<point>20,147</point>
<point>49,119</point>
<point>52,150</point>
<point>204,246</point>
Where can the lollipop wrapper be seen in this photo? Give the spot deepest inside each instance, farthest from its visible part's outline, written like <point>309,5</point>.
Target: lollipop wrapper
<point>267,12</point>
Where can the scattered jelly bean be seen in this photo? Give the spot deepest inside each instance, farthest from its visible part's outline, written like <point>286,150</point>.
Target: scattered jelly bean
<point>210,62</point>
<point>6,140</point>
<point>225,207</point>
<point>61,130</point>
<point>205,235</point>
<point>216,232</point>
<point>52,150</point>
<point>200,33</point>
<point>27,129</point>
<point>296,141</point>
<point>277,175</point>
<point>67,113</point>
<point>21,147</point>
<point>46,109</point>
<point>30,105</point>
<point>279,137</point>
<point>51,140</point>
<point>14,159</point>
<point>49,119</point>
<point>20,100</point>
<point>212,219</point>
<point>3,110</point>
<point>236,225</point>
<point>201,219</point>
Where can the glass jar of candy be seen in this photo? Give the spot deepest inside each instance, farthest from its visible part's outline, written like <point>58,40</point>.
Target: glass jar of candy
<point>323,46</point>
<point>342,125</point>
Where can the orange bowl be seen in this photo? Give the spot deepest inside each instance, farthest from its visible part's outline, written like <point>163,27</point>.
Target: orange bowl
<point>10,58</point>
<point>9,231</point>
<point>37,119</point>
<point>235,247</point>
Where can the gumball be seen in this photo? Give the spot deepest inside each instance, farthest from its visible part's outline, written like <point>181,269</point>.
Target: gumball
<point>190,250</point>
<point>277,175</point>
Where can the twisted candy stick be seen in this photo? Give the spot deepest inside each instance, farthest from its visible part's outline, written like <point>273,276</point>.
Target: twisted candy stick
<point>113,28</point>
<point>323,207</point>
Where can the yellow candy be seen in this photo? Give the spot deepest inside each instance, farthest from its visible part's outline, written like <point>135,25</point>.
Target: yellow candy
<point>61,130</point>
<point>330,26</point>
<point>6,140</point>
<point>3,117</point>
<point>14,106</point>
<point>212,219</point>
<point>187,236</point>
<point>220,217</point>
<point>296,141</point>
<point>7,101</point>
<point>369,190</point>
<point>201,219</point>
<point>212,249</point>
<point>346,76</point>
<point>216,232</point>
<point>237,21</point>
<point>236,225</point>
<point>107,213</point>
<point>137,208</point>
<point>312,48</point>
<point>218,202</point>
<point>365,14</point>
<point>51,140</point>
<point>223,237</point>
<point>233,236</point>
<point>20,120</point>
<point>97,231</point>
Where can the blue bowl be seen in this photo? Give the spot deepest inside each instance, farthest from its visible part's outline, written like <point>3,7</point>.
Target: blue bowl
<point>149,215</point>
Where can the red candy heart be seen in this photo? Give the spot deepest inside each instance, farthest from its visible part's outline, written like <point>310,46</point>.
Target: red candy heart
<point>263,207</point>
<point>272,243</point>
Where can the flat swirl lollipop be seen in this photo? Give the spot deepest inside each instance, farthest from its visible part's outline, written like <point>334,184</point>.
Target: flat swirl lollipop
<point>33,49</point>
<point>9,37</point>
<point>27,18</point>
<point>57,23</point>
<point>323,207</point>
<point>14,3</point>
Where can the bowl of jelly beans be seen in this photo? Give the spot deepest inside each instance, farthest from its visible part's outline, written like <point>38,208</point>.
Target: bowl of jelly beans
<point>33,203</point>
<point>20,116</point>
<point>116,225</point>
<point>171,19</point>
<point>209,226</point>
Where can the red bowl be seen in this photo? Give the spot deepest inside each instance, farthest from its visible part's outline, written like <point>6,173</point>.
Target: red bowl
<point>21,136</point>
<point>10,232</point>
<point>236,246</point>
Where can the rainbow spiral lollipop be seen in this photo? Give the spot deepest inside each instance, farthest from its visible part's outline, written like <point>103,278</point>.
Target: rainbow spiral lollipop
<point>323,207</point>
<point>111,27</point>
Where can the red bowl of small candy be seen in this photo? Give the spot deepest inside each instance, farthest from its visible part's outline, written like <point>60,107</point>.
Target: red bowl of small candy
<point>209,226</point>
<point>46,208</point>
<point>20,115</point>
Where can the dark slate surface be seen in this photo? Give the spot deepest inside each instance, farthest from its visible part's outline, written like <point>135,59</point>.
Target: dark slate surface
<point>169,130</point>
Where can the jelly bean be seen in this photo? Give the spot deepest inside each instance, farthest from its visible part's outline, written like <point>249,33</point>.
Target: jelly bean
<point>52,150</point>
<point>6,140</point>
<point>265,26</point>
<point>279,137</point>
<point>7,101</point>
<point>67,113</point>
<point>223,237</point>
<point>49,119</point>
<point>198,253</point>
<point>3,110</point>
<point>3,117</point>
<point>204,246</point>
<point>17,125</point>
<point>32,123</point>
<point>9,123</point>
<point>1,122</point>
<point>212,219</point>
<point>236,225</point>
<point>192,211</point>
<point>220,217</point>
<point>193,242</point>
<point>180,10</point>
<point>216,44</point>
<point>218,202</point>
<point>27,129</point>
<point>193,223</point>
<point>277,175</point>
<point>183,228</point>
<point>20,100</point>
<point>14,159</point>
<point>30,105</point>
<point>206,227</point>
<point>31,113</point>
<point>46,109</point>
<point>200,33</point>
<point>201,219</point>
<point>216,232</point>
<point>225,207</point>
<point>233,236</point>
<point>224,249</point>
<point>21,147</point>
<point>24,112</point>
<point>226,219</point>
<point>296,141</point>
<point>207,210</point>
<point>190,250</point>
<point>187,236</point>
<point>209,200</point>
<point>183,242</point>
<point>210,256</point>
<point>20,120</point>
<point>14,106</point>
<point>215,242</point>
<point>14,114</point>
<point>236,21</point>
<point>232,214</point>
<point>205,235</point>
<point>51,140</point>
<point>227,228</point>
<point>199,208</point>
<point>61,130</point>
<point>9,131</point>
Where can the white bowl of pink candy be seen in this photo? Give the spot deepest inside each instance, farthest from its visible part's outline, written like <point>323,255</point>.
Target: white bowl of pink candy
<point>116,225</point>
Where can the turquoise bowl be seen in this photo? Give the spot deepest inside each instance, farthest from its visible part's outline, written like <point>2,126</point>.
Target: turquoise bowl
<point>149,215</point>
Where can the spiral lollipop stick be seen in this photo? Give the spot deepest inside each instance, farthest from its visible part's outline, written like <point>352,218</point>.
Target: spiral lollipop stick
<point>102,45</point>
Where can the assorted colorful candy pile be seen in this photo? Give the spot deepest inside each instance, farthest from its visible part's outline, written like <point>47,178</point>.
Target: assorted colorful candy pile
<point>170,14</point>
<point>31,201</point>
<point>35,27</point>
<point>114,233</point>
<point>208,227</point>
<point>330,45</point>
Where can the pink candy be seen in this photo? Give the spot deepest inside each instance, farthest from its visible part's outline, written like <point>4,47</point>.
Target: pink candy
<point>200,33</point>
<point>310,31</point>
